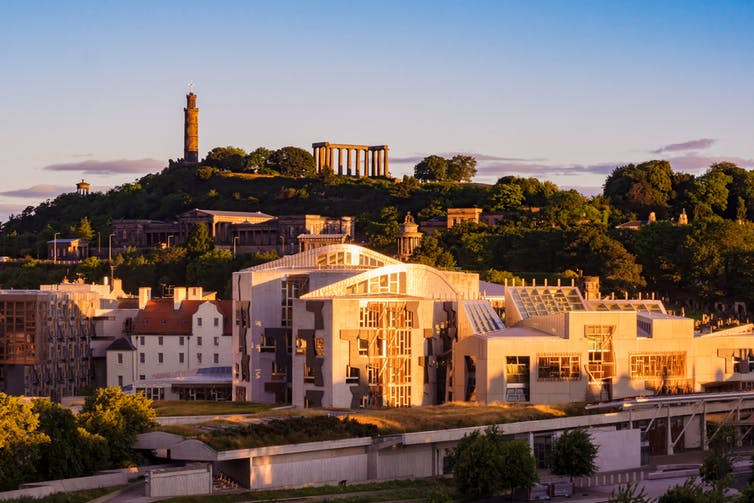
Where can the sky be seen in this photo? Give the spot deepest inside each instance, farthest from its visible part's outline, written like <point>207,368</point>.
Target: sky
<point>562,91</point>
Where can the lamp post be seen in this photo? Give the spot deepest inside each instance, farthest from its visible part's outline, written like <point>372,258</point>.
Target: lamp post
<point>170,236</point>
<point>55,248</point>
<point>110,247</point>
<point>235,240</point>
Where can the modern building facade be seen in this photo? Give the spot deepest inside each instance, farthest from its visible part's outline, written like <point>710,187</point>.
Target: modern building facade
<point>44,344</point>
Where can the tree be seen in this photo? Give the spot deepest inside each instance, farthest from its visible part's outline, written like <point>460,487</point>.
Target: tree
<point>118,417</point>
<point>690,492</point>
<point>641,188</point>
<point>709,194</point>
<point>432,168</point>
<point>20,441</point>
<point>383,232</point>
<point>292,161</point>
<point>256,161</point>
<point>574,454</point>
<point>84,229</point>
<point>461,168</point>
<point>629,493</point>
<point>226,158</point>
<point>198,241</point>
<point>485,463</point>
<point>717,468</point>
<point>505,196</point>
<point>430,252</point>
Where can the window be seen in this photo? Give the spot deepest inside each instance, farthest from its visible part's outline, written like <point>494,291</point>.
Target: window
<point>215,358</point>
<point>164,321</point>
<point>120,380</point>
<point>199,322</point>
<point>198,341</point>
<point>352,374</point>
<point>142,358</point>
<point>159,340</point>
<point>658,365</point>
<point>278,372</point>
<point>216,341</point>
<point>142,377</point>
<point>216,322</point>
<point>198,358</point>
<point>363,347</point>
<point>558,367</point>
<point>141,340</point>
<point>308,373</point>
<point>152,393</point>
<point>180,357</point>
<point>267,344</point>
<point>120,358</point>
<point>160,358</point>
<point>291,288</point>
<point>180,341</point>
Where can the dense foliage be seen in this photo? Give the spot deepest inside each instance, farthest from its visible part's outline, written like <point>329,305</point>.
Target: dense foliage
<point>41,440</point>
<point>485,463</point>
<point>573,454</point>
<point>285,431</point>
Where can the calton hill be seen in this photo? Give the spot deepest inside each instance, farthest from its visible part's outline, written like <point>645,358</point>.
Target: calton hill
<point>544,232</point>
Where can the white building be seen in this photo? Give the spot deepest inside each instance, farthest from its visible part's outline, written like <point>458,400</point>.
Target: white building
<point>180,348</point>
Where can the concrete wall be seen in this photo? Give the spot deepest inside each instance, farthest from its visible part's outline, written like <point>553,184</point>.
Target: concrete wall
<point>618,449</point>
<point>189,480</point>
<point>317,467</point>
<point>42,489</point>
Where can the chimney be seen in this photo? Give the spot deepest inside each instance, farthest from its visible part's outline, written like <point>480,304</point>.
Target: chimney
<point>145,295</point>
<point>195,293</point>
<point>117,285</point>
<point>179,295</point>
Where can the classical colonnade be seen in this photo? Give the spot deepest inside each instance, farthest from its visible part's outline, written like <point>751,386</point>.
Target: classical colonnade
<point>365,161</point>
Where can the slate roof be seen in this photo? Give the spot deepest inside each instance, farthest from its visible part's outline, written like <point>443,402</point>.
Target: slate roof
<point>160,318</point>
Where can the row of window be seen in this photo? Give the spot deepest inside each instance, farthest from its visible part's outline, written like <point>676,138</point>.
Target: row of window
<point>161,358</point>
<point>199,321</point>
<point>181,340</point>
<point>564,367</point>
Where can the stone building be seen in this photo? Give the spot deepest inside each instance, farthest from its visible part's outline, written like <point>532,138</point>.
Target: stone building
<point>44,344</point>
<point>370,161</point>
<point>241,231</point>
<point>409,238</point>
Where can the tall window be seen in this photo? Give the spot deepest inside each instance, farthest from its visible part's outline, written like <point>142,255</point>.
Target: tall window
<point>160,357</point>
<point>291,288</point>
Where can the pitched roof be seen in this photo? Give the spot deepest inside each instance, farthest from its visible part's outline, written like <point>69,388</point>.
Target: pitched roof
<point>160,318</point>
<point>121,344</point>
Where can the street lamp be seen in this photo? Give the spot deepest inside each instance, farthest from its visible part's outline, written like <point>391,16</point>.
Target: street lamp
<point>110,247</point>
<point>235,240</point>
<point>55,248</point>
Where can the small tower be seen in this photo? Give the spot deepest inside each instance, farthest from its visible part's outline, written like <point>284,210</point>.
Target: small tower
<point>191,130</point>
<point>591,287</point>
<point>82,188</point>
<point>409,239</point>
<point>683,219</point>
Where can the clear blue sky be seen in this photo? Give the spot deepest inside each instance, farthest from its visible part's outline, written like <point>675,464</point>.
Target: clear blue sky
<point>563,91</point>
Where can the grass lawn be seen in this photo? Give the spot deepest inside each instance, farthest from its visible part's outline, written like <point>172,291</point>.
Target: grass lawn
<point>379,491</point>
<point>73,497</point>
<point>206,407</point>
<point>234,433</point>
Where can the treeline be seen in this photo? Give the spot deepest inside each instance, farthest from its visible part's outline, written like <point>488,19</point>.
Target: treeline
<point>41,440</point>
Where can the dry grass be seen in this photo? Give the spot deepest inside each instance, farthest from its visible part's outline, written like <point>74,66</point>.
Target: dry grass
<point>206,407</point>
<point>458,415</point>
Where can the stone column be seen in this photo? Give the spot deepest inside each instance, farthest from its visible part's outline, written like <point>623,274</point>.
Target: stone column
<point>329,157</point>
<point>374,163</point>
<point>340,161</point>
<point>348,161</point>
<point>314,154</point>
<point>387,169</point>
<point>358,160</point>
<point>381,163</point>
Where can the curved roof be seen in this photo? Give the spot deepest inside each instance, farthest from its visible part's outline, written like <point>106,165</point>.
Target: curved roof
<point>334,256</point>
<point>413,280</point>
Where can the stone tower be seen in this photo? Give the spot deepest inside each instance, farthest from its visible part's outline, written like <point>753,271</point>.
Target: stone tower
<point>191,130</point>
<point>409,239</point>
<point>82,188</point>
<point>591,287</point>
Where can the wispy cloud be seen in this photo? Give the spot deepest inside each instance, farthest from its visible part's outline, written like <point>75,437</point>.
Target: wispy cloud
<point>37,191</point>
<point>699,144</point>
<point>545,170</point>
<point>82,155</point>
<point>94,167</point>
<point>697,163</point>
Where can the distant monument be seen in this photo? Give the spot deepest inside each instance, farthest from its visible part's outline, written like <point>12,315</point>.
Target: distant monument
<point>683,218</point>
<point>375,161</point>
<point>409,239</point>
<point>82,188</point>
<point>191,129</point>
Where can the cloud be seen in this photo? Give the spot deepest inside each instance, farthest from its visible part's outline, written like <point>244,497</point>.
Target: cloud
<point>545,170</point>
<point>82,155</point>
<point>699,144</point>
<point>94,167</point>
<point>37,191</point>
<point>699,163</point>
